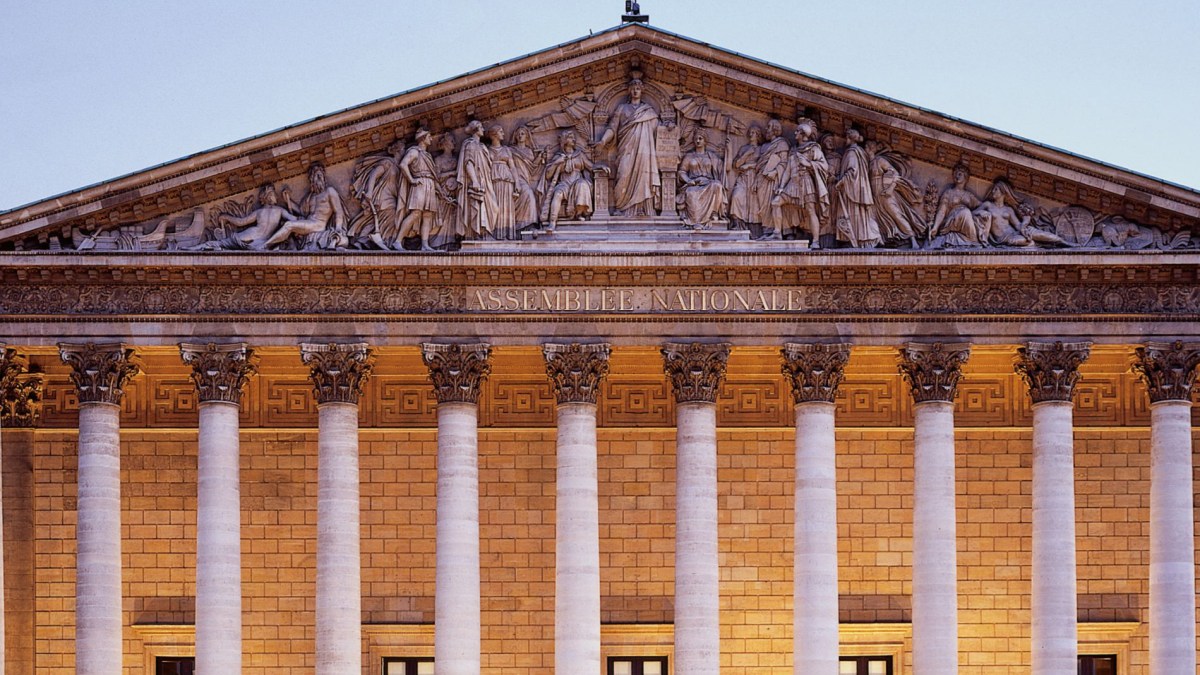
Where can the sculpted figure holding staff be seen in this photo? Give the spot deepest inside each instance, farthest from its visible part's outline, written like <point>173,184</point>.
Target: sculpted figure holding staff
<point>423,194</point>
<point>323,218</point>
<point>634,127</point>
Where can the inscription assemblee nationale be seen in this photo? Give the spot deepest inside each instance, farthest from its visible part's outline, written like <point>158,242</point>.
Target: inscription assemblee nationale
<point>637,300</point>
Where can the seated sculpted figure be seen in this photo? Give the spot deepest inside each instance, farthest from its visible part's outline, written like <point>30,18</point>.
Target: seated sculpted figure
<point>266,219</point>
<point>323,218</point>
<point>569,177</point>
<point>954,222</point>
<point>701,191</point>
<point>1003,226</point>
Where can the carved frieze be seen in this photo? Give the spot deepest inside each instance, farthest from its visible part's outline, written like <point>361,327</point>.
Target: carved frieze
<point>1168,369</point>
<point>865,300</point>
<point>100,371</point>
<point>457,371</point>
<point>1051,369</point>
<point>696,370</point>
<point>339,372</point>
<point>220,372</point>
<point>815,370</point>
<point>576,370</point>
<point>933,370</point>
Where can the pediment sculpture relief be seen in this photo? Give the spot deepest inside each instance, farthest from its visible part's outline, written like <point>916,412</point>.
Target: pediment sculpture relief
<point>632,152</point>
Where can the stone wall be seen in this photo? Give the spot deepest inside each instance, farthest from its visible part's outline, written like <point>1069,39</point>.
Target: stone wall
<point>636,470</point>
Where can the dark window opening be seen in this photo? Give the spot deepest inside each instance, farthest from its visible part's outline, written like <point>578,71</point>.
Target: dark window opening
<point>174,665</point>
<point>1098,665</point>
<point>637,665</point>
<point>413,665</point>
<point>865,665</point>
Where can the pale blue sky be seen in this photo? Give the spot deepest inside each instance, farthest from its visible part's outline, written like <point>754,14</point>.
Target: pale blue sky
<point>91,90</point>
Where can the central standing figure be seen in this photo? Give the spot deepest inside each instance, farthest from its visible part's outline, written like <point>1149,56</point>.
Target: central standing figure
<point>634,125</point>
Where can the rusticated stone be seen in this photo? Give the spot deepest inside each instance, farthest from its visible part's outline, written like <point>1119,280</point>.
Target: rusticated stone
<point>338,371</point>
<point>457,371</point>
<point>1168,369</point>
<point>933,369</point>
<point>1051,369</point>
<point>220,372</point>
<point>100,371</point>
<point>576,370</point>
<point>696,370</point>
<point>814,370</point>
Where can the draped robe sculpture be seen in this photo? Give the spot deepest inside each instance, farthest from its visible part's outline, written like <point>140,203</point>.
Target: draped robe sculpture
<point>634,127</point>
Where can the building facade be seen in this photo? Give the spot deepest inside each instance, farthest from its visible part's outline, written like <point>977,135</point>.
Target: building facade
<point>630,356</point>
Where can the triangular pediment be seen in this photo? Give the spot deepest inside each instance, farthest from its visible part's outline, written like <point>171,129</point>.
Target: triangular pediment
<point>889,182</point>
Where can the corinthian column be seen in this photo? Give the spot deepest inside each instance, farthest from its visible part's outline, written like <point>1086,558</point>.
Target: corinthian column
<point>576,371</point>
<point>99,373</point>
<point>696,372</point>
<point>1051,371</point>
<point>338,372</point>
<point>11,366</point>
<point>1169,371</point>
<point>815,371</point>
<point>220,372</point>
<point>933,370</point>
<point>457,371</point>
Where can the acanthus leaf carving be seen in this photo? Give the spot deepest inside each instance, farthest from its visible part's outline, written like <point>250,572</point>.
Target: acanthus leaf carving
<point>1168,369</point>
<point>20,393</point>
<point>696,370</point>
<point>814,371</point>
<point>933,370</point>
<point>457,371</point>
<point>220,372</point>
<point>100,371</point>
<point>338,372</point>
<point>576,370</point>
<point>1051,369</point>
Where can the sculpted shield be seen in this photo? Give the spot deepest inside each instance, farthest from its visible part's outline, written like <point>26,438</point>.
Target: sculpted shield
<point>1075,224</point>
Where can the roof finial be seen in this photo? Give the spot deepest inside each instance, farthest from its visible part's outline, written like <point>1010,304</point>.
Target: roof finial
<point>633,13</point>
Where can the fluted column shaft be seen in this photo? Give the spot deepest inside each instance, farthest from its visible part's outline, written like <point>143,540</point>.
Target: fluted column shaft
<point>219,373</point>
<point>457,372</point>
<point>814,372</point>
<point>99,373</point>
<point>1169,370</point>
<point>575,370</point>
<point>934,371</point>
<point>696,372</point>
<point>339,372</point>
<point>1051,370</point>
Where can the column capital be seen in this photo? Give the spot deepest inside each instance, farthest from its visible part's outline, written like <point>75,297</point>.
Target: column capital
<point>220,372</point>
<point>20,392</point>
<point>695,369</point>
<point>576,370</point>
<point>933,369</point>
<point>338,371</point>
<point>100,371</point>
<point>814,370</point>
<point>1168,369</point>
<point>1051,369</point>
<point>457,371</point>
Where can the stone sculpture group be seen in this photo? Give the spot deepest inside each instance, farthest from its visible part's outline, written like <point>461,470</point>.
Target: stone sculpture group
<point>651,157</point>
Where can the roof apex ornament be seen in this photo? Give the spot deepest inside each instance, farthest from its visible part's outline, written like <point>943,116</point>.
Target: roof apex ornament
<point>633,13</point>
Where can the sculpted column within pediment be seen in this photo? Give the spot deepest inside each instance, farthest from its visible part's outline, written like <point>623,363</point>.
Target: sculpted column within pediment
<point>659,145</point>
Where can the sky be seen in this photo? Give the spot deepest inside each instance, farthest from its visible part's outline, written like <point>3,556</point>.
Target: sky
<point>90,91</point>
